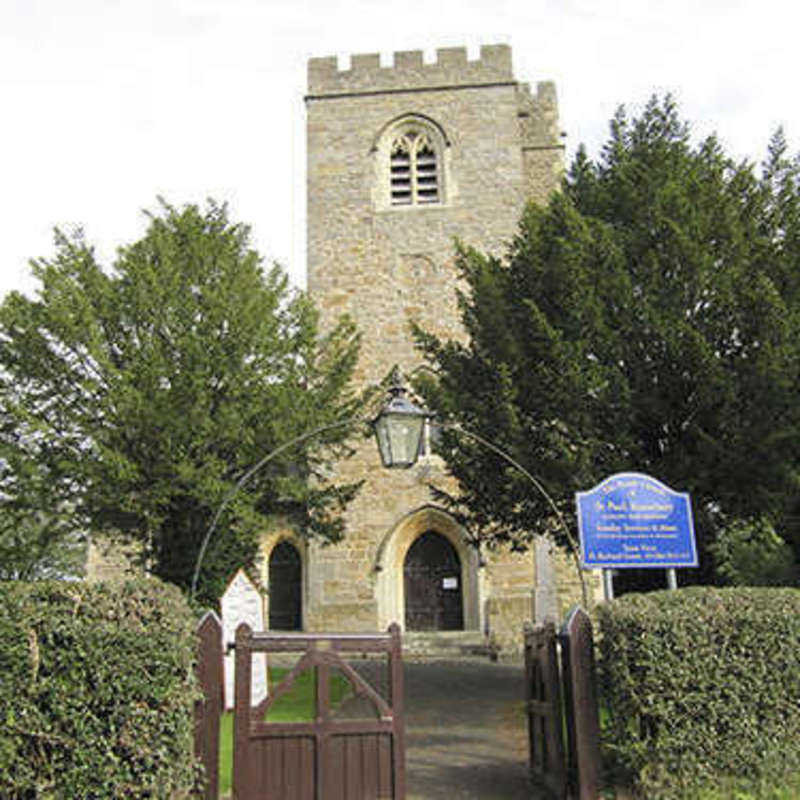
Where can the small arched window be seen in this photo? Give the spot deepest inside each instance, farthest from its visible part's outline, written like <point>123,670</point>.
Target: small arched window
<point>414,169</point>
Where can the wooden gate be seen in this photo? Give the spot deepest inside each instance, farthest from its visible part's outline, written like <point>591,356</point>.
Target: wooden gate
<point>543,696</point>
<point>325,758</point>
<point>561,696</point>
<point>580,705</point>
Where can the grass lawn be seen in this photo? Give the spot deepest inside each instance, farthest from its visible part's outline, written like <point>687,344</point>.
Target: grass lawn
<point>296,706</point>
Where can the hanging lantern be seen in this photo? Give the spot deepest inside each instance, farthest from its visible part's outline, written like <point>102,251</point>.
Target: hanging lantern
<point>399,427</point>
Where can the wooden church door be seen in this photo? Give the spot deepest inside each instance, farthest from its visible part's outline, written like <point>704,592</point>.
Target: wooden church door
<point>432,581</point>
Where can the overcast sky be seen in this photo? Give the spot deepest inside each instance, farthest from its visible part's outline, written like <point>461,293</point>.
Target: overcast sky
<point>106,104</point>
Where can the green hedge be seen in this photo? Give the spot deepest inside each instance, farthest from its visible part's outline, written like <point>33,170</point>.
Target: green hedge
<point>701,685</point>
<point>96,690</point>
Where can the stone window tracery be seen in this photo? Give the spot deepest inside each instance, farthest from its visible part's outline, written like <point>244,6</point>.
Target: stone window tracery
<point>414,169</point>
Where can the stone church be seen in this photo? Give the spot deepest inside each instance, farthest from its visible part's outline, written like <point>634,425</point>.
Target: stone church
<point>402,161</point>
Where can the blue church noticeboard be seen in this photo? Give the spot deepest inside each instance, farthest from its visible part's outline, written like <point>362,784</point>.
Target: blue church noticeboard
<point>633,520</point>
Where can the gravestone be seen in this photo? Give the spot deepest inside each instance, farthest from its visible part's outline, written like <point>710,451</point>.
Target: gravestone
<point>242,602</point>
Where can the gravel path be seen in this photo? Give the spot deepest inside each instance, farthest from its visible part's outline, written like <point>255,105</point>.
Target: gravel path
<point>465,731</point>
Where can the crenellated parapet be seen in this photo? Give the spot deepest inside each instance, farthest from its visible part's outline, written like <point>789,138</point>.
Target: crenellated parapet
<point>538,115</point>
<point>452,68</point>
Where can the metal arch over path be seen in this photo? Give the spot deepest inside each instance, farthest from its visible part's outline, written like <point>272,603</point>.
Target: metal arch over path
<point>249,474</point>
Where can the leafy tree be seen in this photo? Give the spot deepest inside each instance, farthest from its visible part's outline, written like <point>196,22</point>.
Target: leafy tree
<point>646,319</point>
<point>38,538</point>
<point>34,546</point>
<point>144,393</point>
<point>750,553</point>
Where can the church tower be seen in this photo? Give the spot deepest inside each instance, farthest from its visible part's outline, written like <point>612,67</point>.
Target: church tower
<point>402,161</point>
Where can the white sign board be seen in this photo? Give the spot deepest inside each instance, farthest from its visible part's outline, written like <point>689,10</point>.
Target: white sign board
<point>240,603</point>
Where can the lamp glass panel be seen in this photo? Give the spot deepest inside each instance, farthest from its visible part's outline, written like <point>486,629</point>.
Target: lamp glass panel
<point>382,437</point>
<point>404,435</point>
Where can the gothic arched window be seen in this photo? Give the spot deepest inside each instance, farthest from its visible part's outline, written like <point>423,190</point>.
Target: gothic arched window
<point>414,170</point>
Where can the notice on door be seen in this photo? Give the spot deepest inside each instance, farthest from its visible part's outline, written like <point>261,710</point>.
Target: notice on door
<point>633,520</point>
<point>449,583</point>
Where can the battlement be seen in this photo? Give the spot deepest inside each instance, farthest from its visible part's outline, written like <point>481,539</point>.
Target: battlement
<point>538,115</point>
<point>451,68</point>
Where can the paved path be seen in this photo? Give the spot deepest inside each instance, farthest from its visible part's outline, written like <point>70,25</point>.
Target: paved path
<point>465,731</point>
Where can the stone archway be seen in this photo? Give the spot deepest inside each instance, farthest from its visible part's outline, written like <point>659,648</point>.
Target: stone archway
<point>390,563</point>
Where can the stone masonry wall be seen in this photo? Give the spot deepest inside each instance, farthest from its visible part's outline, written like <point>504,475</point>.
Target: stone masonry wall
<point>388,267</point>
<point>111,559</point>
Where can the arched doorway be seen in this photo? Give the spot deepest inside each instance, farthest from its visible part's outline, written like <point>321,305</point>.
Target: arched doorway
<point>285,588</point>
<point>432,585</point>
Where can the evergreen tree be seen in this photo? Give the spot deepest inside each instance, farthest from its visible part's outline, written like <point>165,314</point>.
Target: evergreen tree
<point>38,539</point>
<point>646,319</point>
<point>142,394</point>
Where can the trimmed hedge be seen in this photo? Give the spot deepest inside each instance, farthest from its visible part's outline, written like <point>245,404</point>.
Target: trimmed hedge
<point>97,690</point>
<point>701,685</point>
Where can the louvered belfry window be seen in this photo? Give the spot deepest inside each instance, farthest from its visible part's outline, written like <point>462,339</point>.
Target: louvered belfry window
<point>414,170</point>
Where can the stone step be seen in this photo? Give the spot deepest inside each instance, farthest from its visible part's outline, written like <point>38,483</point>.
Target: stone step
<point>446,644</point>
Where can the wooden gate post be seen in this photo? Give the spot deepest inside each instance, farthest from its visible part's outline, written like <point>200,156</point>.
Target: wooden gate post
<point>396,700</point>
<point>242,761</point>
<point>208,710</point>
<point>580,695</point>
